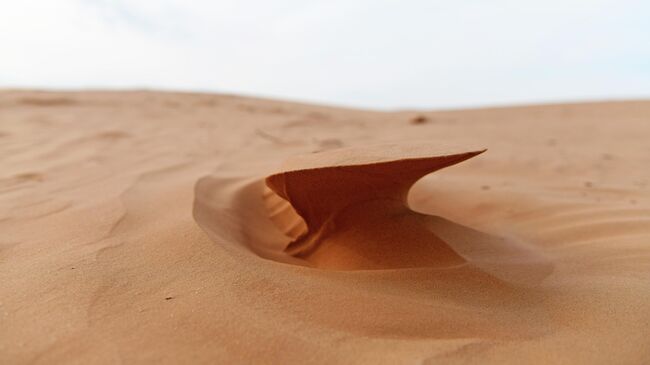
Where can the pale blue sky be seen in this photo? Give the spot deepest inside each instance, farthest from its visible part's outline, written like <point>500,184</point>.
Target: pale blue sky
<point>365,53</point>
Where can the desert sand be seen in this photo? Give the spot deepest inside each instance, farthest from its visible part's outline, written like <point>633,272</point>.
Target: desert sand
<point>151,227</point>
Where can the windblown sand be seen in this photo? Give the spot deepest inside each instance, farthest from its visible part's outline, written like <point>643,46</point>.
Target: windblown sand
<point>139,227</point>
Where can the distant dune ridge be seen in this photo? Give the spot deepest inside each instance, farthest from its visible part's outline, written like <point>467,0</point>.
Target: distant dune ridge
<point>196,228</point>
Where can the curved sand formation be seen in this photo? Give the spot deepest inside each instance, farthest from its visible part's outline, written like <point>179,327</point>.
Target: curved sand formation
<point>347,209</point>
<point>355,208</point>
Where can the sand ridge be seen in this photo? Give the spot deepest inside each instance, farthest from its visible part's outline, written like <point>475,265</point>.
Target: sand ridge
<point>372,192</point>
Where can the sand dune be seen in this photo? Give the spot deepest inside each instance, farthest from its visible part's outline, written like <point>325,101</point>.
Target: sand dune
<point>163,227</point>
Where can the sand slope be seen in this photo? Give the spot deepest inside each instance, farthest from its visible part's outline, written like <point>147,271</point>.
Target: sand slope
<point>135,227</point>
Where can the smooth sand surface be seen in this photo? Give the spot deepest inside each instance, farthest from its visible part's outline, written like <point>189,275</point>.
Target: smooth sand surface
<point>192,228</point>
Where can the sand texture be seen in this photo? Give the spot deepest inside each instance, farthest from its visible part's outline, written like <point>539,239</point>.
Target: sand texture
<point>147,227</point>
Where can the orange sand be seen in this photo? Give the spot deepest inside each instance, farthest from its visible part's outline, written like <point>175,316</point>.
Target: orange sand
<point>139,227</point>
